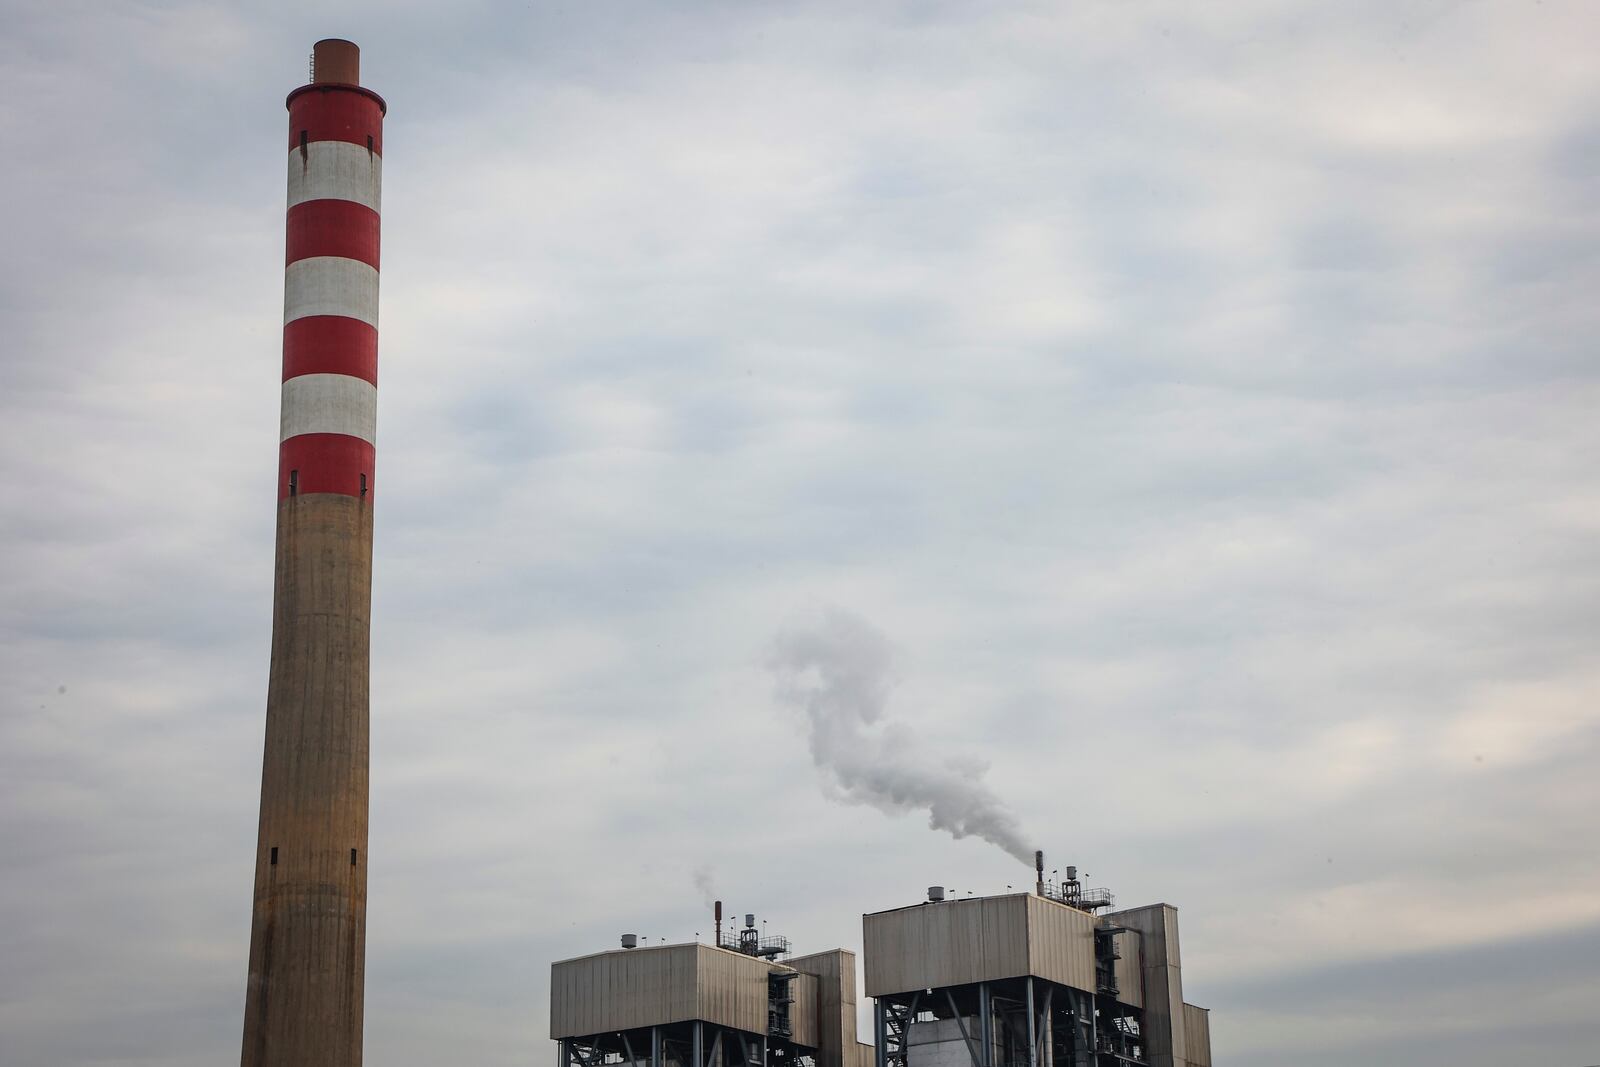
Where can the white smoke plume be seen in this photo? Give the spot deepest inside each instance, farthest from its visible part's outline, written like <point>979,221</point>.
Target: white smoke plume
<point>838,669</point>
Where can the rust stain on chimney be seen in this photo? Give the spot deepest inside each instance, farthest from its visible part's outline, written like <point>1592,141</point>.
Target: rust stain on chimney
<point>335,62</point>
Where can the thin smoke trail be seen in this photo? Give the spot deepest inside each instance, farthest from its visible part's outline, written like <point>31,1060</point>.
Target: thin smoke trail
<point>705,881</point>
<point>837,668</point>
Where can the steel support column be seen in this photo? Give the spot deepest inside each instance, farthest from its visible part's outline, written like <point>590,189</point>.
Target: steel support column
<point>1047,1029</point>
<point>1033,1029</point>
<point>961,1028</point>
<point>985,1025</point>
<point>1086,1001</point>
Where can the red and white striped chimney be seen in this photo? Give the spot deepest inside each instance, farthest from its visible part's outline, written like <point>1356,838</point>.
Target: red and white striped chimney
<point>330,285</point>
<point>304,1004</point>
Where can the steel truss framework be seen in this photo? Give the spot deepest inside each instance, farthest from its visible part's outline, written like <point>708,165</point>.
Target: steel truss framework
<point>1017,1022</point>
<point>686,1044</point>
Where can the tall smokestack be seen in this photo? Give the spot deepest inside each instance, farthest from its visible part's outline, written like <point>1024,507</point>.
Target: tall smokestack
<point>303,1004</point>
<point>1038,871</point>
<point>718,914</point>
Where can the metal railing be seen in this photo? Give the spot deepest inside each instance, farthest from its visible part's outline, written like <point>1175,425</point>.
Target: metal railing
<point>752,944</point>
<point>1074,895</point>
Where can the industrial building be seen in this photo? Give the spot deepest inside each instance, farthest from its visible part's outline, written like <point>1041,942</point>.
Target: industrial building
<point>741,1002</point>
<point>1049,978</point>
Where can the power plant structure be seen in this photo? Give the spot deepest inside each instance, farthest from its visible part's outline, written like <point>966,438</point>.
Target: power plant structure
<point>740,1002</point>
<point>1051,978</point>
<point>1048,978</point>
<point>303,1004</point>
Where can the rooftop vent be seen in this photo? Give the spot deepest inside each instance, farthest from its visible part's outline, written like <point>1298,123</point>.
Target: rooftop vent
<point>630,940</point>
<point>935,894</point>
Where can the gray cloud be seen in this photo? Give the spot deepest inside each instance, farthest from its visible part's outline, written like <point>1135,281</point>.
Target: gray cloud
<point>1550,973</point>
<point>1201,396</point>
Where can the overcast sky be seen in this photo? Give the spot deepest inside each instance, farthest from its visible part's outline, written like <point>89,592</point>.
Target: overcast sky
<point>1197,400</point>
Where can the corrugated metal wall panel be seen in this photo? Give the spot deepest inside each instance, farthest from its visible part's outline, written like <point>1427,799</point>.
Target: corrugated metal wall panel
<point>1005,935</point>
<point>683,981</point>
<point>883,936</point>
<point>835,1015</point>
<point>953,943</point>
<point>1169,917</point>
<point>1197,1035</point>
<point>621,990</point>
<point>562,1001</point>
<point>732,989</point>
<point>1163,981</point>
<point>821,964</point>
<point>1130,976</point>
<point>805,1014</point>
<point>1060,943</point>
